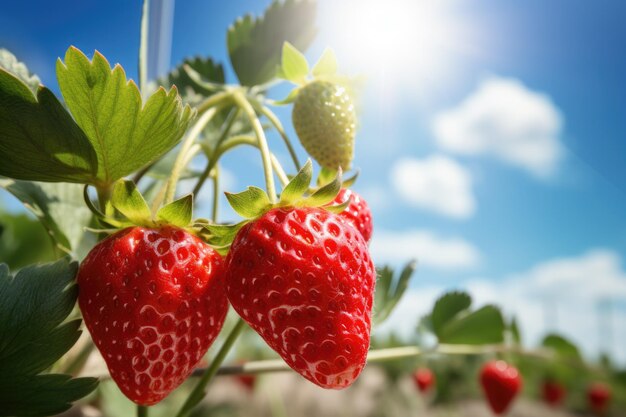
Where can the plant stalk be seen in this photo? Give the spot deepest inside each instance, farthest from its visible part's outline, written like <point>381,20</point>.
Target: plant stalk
<point>248,110</point>
<point>200,389</point>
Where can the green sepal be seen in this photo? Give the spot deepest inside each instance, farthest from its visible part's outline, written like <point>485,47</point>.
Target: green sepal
<point>178,213</point>
<point>222,235</point>
<point>294,66</point>
<point>325,194</point>
<point>349,182</point>
<point>326,65</point>
<point>250,203</point>
<point>298,185</point>
<point>127,199</point>
<point>325,176</point>
<point>338,208</point>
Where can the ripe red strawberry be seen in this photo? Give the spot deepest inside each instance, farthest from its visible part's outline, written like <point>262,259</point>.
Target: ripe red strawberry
<point>358,212</point>
<point>553,392</point>
<point>424,379</point>
<point>599,397</point>
<point>153,300</point>
<point>304,280</point>
<point>324,118</point>
<point>501,382</point>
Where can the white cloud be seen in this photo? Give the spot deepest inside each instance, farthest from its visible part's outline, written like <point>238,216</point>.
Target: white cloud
<point>429,249</point>
<point>437,183</point>
<point>559,295</point>
<point>507,120</point>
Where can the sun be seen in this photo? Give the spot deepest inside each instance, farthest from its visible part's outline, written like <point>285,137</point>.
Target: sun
<point>410,42</point>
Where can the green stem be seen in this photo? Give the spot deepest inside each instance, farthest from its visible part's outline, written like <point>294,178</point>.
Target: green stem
<point>143,48</point>
<point>216,193</point>
<point>199,391</point>
<point>214,157</point>
<point>142,411</point>
<point>238,140</point>
<point>180,162</point>
<point>279,127</point>
<point>104,195</point>
<point>247,108</point>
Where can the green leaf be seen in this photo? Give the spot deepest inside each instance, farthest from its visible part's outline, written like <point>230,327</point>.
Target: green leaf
<point>447,307</point>
<point>190,91</point>
<point>338,208</point>
<point>23,240</point>
<point>125,134</point>
<point>127,199</point>
<point>390,289</point>
<point>39,141</point>
<point>9,62</point>
<point>515,333</point>
<point>483,326</point>
<point>326,65</point>
<point>298,185</point>
<point>325,194</point>
<point>255,44</point>
<point>250,203</point>
<point>51,203</point>
<point>33,307</point>
<point>178,213</point>
<point>561,346</point>
<point>294,66</point>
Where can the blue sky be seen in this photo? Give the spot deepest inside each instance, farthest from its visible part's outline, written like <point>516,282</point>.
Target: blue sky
<point>491,141</point>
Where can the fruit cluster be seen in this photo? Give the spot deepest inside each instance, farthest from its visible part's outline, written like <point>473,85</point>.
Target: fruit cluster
<point>154,299</point>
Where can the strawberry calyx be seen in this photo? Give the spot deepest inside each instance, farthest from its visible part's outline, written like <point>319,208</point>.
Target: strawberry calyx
<point>131,209</point>
<point>254,203</point>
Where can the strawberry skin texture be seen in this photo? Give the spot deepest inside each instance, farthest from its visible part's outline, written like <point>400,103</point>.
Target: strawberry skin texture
<point>304,280</point>
<point>424,379</point>
<point>501,383</point>
<point>325,120</point>
<point>357,213</point>
<point>153,300</point>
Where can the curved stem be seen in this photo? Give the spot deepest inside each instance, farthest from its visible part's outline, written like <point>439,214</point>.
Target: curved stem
<point>274,120</point>
<point>247,108</point>
<point>280,172</point>
<point>214,157</point>
<point>143,48</point>
<point>216,193</point>
<point>199,391</point>
<point>182,154</point>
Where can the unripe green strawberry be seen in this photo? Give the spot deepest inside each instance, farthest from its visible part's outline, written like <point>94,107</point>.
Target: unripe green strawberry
<point>325,121</point>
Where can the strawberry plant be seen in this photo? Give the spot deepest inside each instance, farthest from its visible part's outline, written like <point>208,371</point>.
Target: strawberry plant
<point>100,168</point>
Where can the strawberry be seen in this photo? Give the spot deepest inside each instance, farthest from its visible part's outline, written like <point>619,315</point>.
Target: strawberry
<point>358,212</point>
<point>247,381</point>
<point>154,301</point>
<point>324,118</point>
<point>424,379</point>
<point>599,397</point>
<point>303,279</point>
<point>553,392</point>
<point>501,382</point>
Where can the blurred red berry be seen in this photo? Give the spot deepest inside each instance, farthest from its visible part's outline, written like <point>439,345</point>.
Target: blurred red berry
<point>501,383</point>
<point>599,397</point>
<point>424,379</point>
<point>553,393</point>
